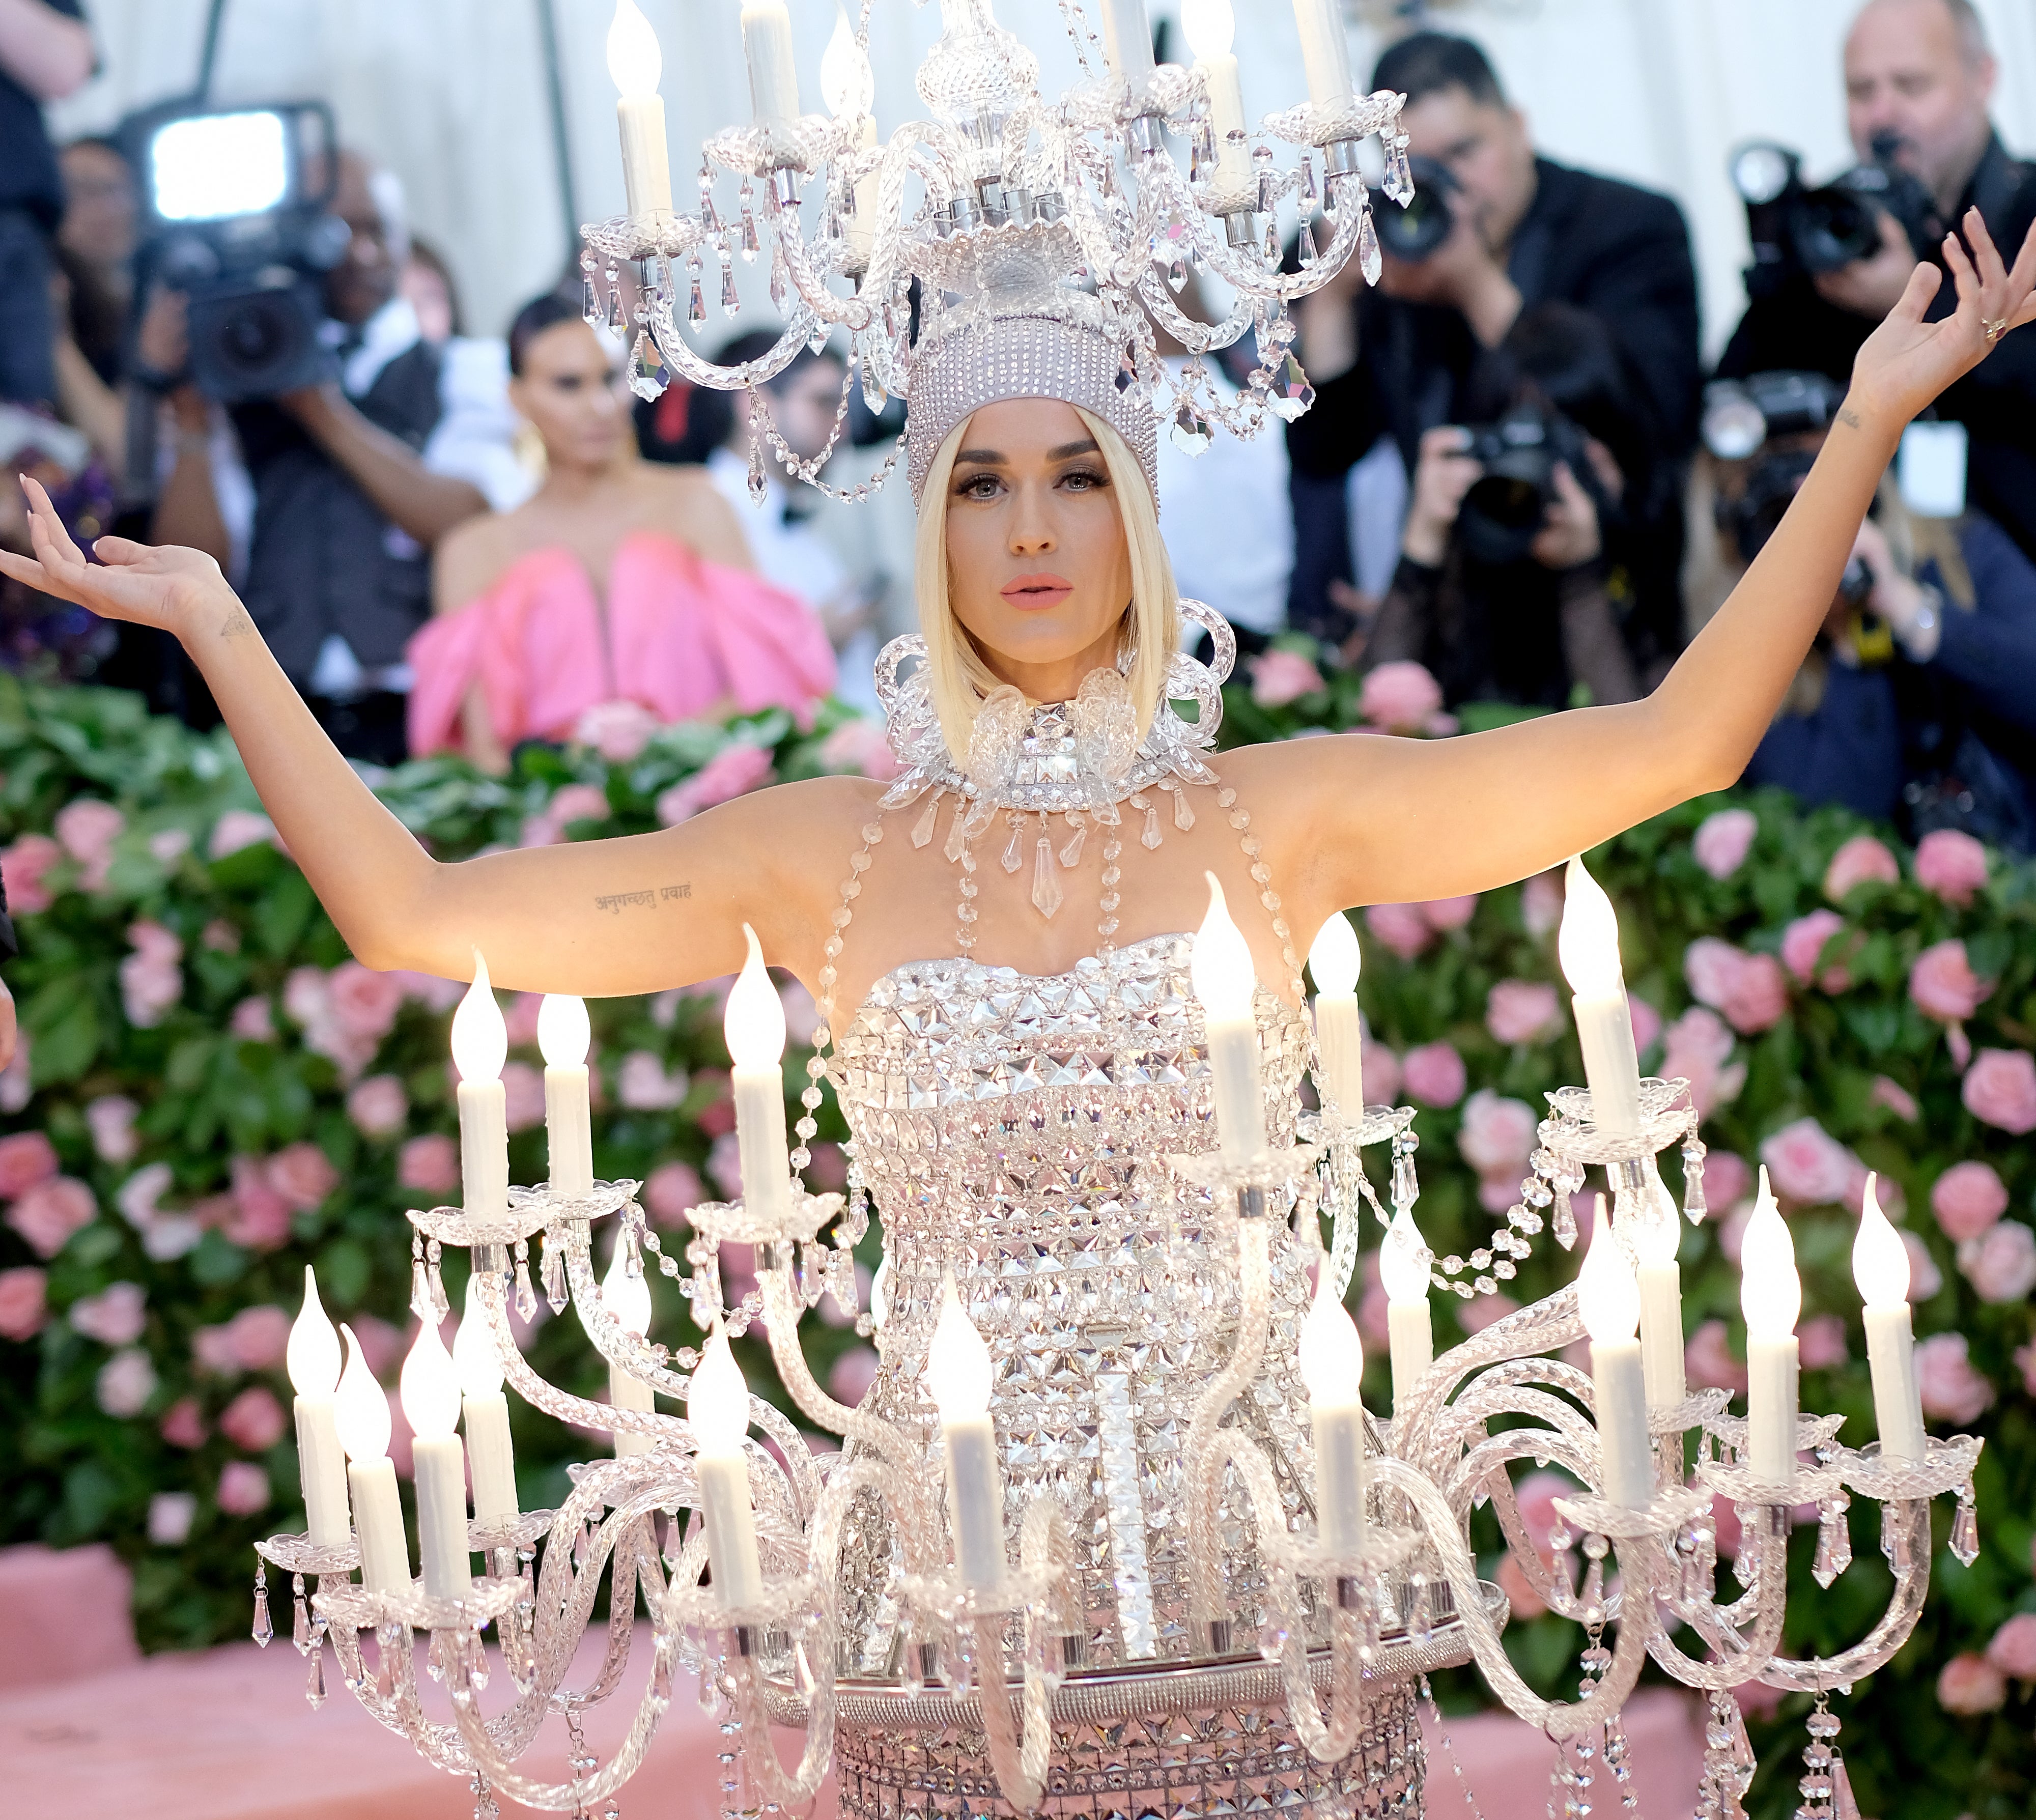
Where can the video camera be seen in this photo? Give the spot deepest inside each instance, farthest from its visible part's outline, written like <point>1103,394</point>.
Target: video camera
<point>237,219</point>
<point>1796,229</point>
<point>1507,505</point>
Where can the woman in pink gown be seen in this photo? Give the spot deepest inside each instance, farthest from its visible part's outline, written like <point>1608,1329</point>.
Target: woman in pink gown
<point>620,580</point>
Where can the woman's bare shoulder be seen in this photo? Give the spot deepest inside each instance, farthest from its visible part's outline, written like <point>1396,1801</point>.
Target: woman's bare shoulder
<point>690,505</point>
<point>470,558</point>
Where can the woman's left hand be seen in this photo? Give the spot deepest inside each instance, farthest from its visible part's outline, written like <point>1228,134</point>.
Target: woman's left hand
<point>1907,361</point>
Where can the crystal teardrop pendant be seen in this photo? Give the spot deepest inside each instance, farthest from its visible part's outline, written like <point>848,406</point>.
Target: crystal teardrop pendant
<point>1014,853</point>
<point>262,1631</point>
<point>1071,853</point>
<point>1694,1205</point>
<point>1310,197</point>
<point>1965,1532</point>
<point>696,304</point>
<point>750,245</point>
<point>760,480</point>
<point>1844,1805</point>
<point>554,1271</point>
<point>1564,1224</point>
<point>1150,839</point>
<point>1190,431</point>
<point>923,829</point>
<point>1177,276</point>
<point>647,371</point>
<point>526,1297</point>
<point>420,1294</point>
<point>1184,817</point>
<point>1290,395</point>
<point>1307,242</point>
<point>618,321</point>
<point>1046,879</point>
<point>731,299</point>
<point>957,832</point>
<point>1834,1541</point>
<point>300,1621</point>
<point>591,303</point>
<point>1370,260</point>
<point>314,1685</point>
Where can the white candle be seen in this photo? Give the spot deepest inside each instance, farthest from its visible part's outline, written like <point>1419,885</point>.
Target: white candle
<point>1324,51</point>
<point>718,1405</point>
<point>312,1360</point>
<point>1224,978</point>
<point>1880,1267</point>
<point>847,86</point>
<point>491,1461</point>
<point>627,1299</point>
<point>635,64</point>
<point>1402,1270</point>
<point>1609,1299</point>
<point>480,1047</point>
<point>1656,1232</point>
<point>1770,1295</point>
<point>429,1390</point>
<point>1589,948</point>
<point>1332,1359</point>
<point>1334,960</point>
<point>1127,40</point>
<point>1209,26</point>
<point>959,1377</point>
<point>754,1030</point>
<point>563,1035</point>
<point>362,1414</point>
<point>773,78</point>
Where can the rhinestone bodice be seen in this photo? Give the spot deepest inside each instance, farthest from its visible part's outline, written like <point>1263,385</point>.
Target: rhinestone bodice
<point>1012,1128</point>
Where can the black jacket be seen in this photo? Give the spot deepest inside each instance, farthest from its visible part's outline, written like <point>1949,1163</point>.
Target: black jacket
<point>1795,329</point>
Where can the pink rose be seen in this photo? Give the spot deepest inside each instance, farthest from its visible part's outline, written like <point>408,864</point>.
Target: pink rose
<point>1803,944</point>
<point>1896,1097</point>
<point>733,771</point>
<point>853,1374</point>
<point>1924,1278</point>
<point>1952,1391</point>
<point>724,1164</point>
<point>303,1175</point>
<point>1967,1199</point>
<point>1401,928</point>
<point>1400,697</point>
<point>1861,860</point>
<point>16,1088</point>
<point>1732,1232</point>
<point>429,990</point>
<point>1999,1089</point>
<point>258,1337</point>
<point>618,730</point>
<point>23,1304</point>
<point>1279,676</point>
<point>1646,1023</point>
<point>168,845</point>
<point>86,829</point>
<point>826,1169</point>
<point>1749,989</point>
<point>255,1212</point>
<point>1696,1048</point>
<point>383,1347</point>
<point>1433,1074</point>
<point>1951,865</point>
<point>1708,1360</point>
<point>1756,1700</point>
<point>252,1021</point>
<point>1475,1316</point>
<point>253,1420</point>
<point>243,1488</point>
<point>1541,903</point>
<point>1806,1164</point>
<point>1727,1181</point>
<point>22,867</point>
<point>363,1002</point>
<point>860,746</point>
<point>125,1383</point>
<point>184,1424</point>
<point>573,803</point>
<point>220,936</point>
<point>1382,1074</point>
<point>1820,1342</point>
<point>1519,1011</point>
<point>1722,839</point>
<point>240,828</point>
<point>26,1159</point>
<point>2001,1264</point>
<point>111,1120</point>
<point>429,1164</point>
<point>1710,967</point>
<point>1444,913</point>
<point>378,1105</point>
<point>643,1085</point>
<point>802,1015</point>
<point>115,1316</point>
<point>522,1096</point>
<point>1497,1135</point>
<point>1944,985</point>
<point>2025,1362</point>
<point>150,982</point>
<point>673,1192</point>
<point>51,1212</point>
<point>520,1020</point>
<point>1969,1685</point>
<point>2013,1649</point>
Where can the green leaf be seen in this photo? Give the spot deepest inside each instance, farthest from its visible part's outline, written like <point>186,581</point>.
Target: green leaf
<point>215,1260</point>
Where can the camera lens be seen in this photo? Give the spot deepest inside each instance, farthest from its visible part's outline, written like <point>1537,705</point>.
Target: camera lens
<point>1413,232</point>
<point>1834,228</point>
<point>257,337</point>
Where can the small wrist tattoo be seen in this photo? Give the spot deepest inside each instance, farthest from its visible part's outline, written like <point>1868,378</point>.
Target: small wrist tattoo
<point>238,625</point>
<point>1848,416</point>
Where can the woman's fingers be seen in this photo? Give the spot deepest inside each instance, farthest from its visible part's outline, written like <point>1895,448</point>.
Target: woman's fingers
<point>1963,274</point>
<point>1920,293</point>
<point>36,575</point>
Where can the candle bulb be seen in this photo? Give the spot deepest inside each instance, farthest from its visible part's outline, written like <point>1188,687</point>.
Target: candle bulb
<point>635,64</point>
<point>754,1030</point>
<point>1334,960</point>
<point>480,1047</point>
<point>312,1359</point>
<point>1771,1297</point>
<point>1589,947</point>
<point>1209,27</point>
<point>1324,51</point>
<point>773,78</point>
<point>490,1460</point>
<point>1224,977</point>
<point>1403,1272</point>
<point>1127,41</point>
<point>1332,1359</point>
<point>563,1036</point>
<point>1609,1299</point>
<point>429,1390</point>
<point>848,86</point>
<point>627,1298</point>
<point>1880,1267</point>
<point>718,1406</point>
<point>361,1413</point>
<point>958,1375</point>
<point>1656,1234</point>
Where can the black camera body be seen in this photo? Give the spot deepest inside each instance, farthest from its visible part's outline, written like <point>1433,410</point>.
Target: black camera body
<point>1413,231</point>
<point>237,225</point>
<point>1506,505</point>
<point>1796,229</point>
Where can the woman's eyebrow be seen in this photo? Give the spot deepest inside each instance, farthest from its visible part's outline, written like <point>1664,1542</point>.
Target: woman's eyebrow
<point>1086,447</point>
<point>982,458</point>
<point>993,458</point>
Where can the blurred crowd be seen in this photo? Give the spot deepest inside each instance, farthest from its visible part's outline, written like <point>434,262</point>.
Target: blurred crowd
<point>1517,474</point>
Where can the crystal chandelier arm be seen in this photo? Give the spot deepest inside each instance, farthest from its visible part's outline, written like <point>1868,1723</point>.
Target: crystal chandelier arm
<point>1255,282</point>
<point>1204,1458</point>
<point>1044,1547</point>
<point>1740,1658</point>
<point>759,1754</point>
<point>1484,1468</point>
<point>1542,1326</point>
<point>679,356</point>
<point>852,314</point>
<point>1198,337</point>
<point>1912,1585</point>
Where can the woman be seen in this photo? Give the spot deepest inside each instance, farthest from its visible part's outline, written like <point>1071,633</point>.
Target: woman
<point>1002,972</point>
<point>619,580</point>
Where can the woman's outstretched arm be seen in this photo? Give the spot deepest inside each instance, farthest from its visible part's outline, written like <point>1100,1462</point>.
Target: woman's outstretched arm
<point>1380,821</point>
<point>596,918</point>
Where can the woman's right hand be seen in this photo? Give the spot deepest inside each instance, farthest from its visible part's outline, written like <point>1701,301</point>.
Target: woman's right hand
<point>167,586</point>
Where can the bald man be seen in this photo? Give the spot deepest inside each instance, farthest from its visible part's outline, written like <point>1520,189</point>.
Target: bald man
<point>1922,71</point>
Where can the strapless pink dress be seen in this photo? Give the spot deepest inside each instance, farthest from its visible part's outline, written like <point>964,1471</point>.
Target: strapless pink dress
<point>680,635</point>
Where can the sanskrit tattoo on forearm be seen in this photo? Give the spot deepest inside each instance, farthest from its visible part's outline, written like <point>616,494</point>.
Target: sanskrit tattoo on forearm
<point>617,902</point>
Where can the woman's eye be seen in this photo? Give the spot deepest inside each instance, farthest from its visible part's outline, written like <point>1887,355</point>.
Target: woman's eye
<point>1083,479</point>
<point>979,487</point>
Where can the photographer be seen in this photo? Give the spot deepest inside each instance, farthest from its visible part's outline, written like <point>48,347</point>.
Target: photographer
<point>1516,576</point>
<point>354,479</point>
<point>45,54</point>
<point>1918,78</point>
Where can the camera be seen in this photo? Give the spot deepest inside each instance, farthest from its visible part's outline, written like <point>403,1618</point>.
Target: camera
<point>1413,232</point>
<point>237,215</point>
<point>1504,510</point>
<point>1796,229</point>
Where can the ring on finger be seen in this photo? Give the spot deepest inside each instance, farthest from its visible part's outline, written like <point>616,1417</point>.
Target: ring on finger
<point>1995,327</point>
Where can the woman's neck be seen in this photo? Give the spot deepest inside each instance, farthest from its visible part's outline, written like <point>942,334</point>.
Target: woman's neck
<point>1058,680</point>
<point>572,483</point>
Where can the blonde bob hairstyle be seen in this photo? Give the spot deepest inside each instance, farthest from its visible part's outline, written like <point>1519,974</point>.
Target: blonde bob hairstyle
<point>958,679</point>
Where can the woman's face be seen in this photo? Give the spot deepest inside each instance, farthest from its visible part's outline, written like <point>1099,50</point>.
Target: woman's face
<point>1038,567</point>
<point>573,391</point>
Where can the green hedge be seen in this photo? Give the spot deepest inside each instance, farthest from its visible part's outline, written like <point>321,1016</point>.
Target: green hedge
<point>237,1204</point>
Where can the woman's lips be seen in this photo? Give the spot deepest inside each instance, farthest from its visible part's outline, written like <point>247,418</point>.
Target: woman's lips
<point>1033,593</point>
